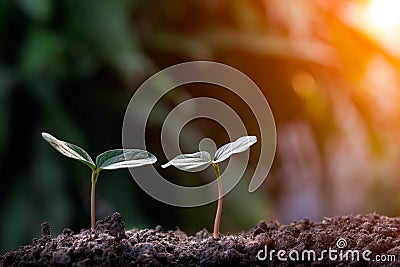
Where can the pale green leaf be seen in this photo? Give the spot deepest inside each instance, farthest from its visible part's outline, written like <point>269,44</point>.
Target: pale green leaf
<point>124,158</point>
<point>69,150</point>
<point>240,145</point>
<point>192,161</point>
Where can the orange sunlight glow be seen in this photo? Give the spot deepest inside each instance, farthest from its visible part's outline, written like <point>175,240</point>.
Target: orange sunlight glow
<point>383,15</point>
<point>379,19</point>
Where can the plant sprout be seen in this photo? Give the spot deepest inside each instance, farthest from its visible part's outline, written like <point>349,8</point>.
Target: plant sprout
<point>196,162</point>
<point>109,160</point>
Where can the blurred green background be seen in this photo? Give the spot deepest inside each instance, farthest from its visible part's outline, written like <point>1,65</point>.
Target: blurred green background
<point>329,69</point>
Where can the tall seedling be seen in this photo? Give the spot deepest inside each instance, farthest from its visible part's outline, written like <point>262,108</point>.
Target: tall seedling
<point>195,162</point>
<point>109,160</point>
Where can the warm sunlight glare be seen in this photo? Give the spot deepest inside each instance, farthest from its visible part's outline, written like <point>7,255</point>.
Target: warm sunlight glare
<point>383,15</point>
<point>380,19</point>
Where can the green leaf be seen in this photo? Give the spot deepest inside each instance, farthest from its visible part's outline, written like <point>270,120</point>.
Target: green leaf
<point>124,158</point>
<point>69,150</point>
<point>240,145</point>
<point>192,161</point>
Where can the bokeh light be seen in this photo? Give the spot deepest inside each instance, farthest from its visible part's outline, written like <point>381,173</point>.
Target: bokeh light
<point>383,15</point>
<point>379,19</point>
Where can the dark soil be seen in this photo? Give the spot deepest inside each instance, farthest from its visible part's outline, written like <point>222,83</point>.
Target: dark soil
<point>111,245</point>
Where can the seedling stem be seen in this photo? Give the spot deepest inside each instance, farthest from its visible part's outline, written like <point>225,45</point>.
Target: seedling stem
<point>95,175</point>
<point>219,207</point>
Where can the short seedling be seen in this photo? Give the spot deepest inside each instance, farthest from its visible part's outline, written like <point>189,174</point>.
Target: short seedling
<point>109,160</point>
<point>197,161</point>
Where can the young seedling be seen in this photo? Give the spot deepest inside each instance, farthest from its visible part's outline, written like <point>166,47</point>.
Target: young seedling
<point>109,160</point>
<point>196,162</point>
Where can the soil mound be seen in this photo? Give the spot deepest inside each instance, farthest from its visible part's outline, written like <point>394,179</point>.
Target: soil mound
<point>353,240</point>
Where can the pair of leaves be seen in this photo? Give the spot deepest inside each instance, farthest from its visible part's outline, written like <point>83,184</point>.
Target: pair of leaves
<point>128,158</point>
<point>196,161</point>
<point>109,160</point>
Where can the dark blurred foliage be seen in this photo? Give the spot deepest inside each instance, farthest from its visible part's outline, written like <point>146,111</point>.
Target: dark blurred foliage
<point>71,67</point>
